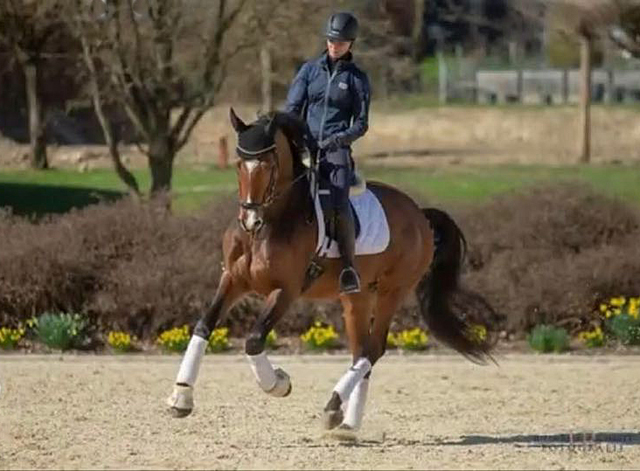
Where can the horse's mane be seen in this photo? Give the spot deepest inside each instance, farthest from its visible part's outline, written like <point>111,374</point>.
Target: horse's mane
<point>293,128</point>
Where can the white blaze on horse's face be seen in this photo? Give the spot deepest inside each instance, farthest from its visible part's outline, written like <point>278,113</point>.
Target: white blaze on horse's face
<point>251,220</point>
<point>255,177</point>
<point>250,165</point>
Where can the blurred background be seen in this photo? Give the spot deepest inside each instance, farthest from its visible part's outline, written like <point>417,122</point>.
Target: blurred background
<point>521,117</point>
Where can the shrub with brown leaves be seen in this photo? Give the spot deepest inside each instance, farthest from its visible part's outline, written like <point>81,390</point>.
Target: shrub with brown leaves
<point>547,255</point>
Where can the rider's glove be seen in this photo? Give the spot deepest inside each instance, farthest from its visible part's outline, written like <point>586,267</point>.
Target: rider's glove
<point>332,143</point>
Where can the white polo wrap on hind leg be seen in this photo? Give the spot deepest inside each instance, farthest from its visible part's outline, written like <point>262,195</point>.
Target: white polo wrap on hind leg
<point>190,365</point>
<point>355,406</point>
<point>351,378</point>
<point>263,371</point>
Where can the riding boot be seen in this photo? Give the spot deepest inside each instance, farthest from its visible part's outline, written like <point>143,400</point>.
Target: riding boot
<point>345,237</point>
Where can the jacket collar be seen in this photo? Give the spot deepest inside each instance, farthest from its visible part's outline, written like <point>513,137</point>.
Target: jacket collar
<point>341,63</point>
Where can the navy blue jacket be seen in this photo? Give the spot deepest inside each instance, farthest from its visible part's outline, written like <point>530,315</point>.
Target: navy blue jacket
<point>331,102</point>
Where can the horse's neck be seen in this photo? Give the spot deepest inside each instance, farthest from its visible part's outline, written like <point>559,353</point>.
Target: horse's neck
<point>292,208</point>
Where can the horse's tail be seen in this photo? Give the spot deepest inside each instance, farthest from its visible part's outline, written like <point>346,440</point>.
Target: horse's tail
<point>435,290</point>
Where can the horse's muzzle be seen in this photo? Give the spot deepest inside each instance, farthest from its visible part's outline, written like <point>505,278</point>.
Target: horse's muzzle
<point>250,221</point>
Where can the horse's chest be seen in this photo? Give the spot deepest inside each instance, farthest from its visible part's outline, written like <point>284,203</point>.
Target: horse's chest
<point>262,267</point>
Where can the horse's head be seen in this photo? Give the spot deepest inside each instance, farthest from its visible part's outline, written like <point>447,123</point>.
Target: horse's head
<point>265,167</point>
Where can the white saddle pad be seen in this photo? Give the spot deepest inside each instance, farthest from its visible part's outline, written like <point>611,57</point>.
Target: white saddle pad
<point>374,228</point>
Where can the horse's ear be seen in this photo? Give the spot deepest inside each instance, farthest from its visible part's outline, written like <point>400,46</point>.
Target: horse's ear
<point>236,122</point>
<point>271,127</point>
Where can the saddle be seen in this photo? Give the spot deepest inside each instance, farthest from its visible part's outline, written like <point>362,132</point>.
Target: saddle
<point>371,225</point>
<point>357,187</point>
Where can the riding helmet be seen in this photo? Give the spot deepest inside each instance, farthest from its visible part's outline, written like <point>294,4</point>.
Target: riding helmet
<point>342,27</point>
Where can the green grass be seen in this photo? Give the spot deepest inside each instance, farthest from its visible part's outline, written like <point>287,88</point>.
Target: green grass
<point>58,190</point>
<point>37,192</point>
<point>478,184</point>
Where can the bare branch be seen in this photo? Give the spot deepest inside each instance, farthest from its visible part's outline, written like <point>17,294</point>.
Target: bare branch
<point>125,175</point>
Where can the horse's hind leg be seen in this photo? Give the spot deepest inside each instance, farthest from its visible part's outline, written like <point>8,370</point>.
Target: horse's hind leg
<point>272,380</point>
<point>386,306</point>
<point>181,400</point>
<point>357,316</point>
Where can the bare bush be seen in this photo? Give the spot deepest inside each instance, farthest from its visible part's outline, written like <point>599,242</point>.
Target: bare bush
<point>546,255</point>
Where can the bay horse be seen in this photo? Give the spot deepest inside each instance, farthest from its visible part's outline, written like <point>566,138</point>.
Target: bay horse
<point>271,246</point>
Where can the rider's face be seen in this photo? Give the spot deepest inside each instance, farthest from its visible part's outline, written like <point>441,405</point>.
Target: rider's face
<point>337,49</point>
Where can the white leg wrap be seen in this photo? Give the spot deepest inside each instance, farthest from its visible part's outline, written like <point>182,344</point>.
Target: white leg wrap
<point>352,377</point>
<point>263,371</point>
<point>190,365</point>
<point>355,407</point>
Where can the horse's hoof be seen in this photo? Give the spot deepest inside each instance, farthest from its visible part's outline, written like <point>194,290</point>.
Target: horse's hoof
<point>283,385</point>
<point>332,418</point>
<point>344,433</point>
<point>181,401</point>
<point>179,413</point>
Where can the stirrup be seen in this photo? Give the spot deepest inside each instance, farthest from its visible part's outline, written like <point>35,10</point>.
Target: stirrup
<point>349,281</point>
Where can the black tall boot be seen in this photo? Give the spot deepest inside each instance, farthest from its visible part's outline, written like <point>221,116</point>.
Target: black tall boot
<point>345,237</point>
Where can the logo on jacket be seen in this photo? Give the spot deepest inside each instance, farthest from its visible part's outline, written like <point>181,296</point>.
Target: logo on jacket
<point>343,86</point>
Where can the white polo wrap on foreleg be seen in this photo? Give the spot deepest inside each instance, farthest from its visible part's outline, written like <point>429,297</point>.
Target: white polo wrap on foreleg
<point>263,371</point>
<point>352,377</point>
<point>355,407</point>
<point>190,365</point>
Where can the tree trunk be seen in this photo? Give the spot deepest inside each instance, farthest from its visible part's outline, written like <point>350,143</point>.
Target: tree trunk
<point>112,143</point>
<point>107,130</point>
<point>416,33</point>
<point>161,155</point>
<point>37,139</point>
<point>265,61</point>
<point>585,99</point>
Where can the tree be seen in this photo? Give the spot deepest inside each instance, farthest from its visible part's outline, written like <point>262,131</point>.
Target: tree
<point>618,20</point>
<point>28,30</point>
<point>584,20</point>
<point>163,63</point>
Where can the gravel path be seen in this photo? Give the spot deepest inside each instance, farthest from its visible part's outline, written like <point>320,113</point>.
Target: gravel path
<point>425,411</point>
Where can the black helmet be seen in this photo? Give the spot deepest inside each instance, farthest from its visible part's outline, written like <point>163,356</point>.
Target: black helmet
<point>342,27</point>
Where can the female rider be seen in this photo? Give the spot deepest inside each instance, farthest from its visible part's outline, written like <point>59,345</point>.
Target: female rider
<point>332,95</point>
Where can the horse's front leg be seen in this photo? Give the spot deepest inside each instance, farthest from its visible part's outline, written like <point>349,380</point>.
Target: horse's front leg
<point>181,400</point>
<point>272,380</point>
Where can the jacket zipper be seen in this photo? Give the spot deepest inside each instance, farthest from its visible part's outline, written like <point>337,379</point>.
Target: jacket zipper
<point>326,101</point>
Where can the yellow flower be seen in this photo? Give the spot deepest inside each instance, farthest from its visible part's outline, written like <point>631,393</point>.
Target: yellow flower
<point>271,340</point>
<point>218,340</point>
<point>320,337</point>
<point>120,341</point>
<point>175,339</point>
<point>414,339</point>
<point>477,333</point>
<point>10,337</point>
<point>594,338</point>
<point>617,301</point>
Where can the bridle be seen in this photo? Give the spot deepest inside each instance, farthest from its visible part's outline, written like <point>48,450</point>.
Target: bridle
<point>271,195</point>
<point>263,155</point>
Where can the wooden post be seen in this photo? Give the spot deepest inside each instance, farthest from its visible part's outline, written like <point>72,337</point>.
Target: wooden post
<point>442,77</point>
<point>223,152</point>
<point>585,98</point>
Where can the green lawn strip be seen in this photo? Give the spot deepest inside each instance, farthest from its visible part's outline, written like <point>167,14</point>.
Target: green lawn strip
<point>194,189</point>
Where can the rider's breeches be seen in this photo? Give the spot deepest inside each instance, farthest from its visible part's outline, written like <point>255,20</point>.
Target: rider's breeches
<point>336,166</point>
